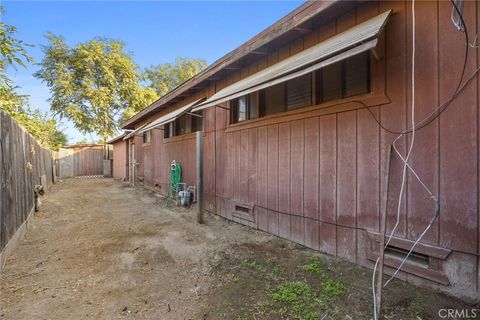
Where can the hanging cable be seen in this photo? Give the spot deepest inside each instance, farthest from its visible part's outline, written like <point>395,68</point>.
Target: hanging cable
<point>409,152</point>
<point>432,196</point>
<point>414,127</point>
<point>456,14</point>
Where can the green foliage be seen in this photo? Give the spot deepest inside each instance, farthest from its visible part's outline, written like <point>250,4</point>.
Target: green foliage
<point>298,300</point>
<point>333,288</point>
<point>313,267</point>
<point>40,125</point>
<point>92,83</point>
<point>82,141</point>
<point>165,77</point>
<point>12,50</point>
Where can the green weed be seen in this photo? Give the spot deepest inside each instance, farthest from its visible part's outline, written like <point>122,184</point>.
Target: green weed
<point>297,299</point>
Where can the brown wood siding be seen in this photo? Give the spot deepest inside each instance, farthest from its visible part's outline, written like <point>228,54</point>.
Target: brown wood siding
<point>316,176</point>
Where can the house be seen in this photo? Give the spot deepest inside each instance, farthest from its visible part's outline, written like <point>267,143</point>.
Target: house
<point>298,123</point>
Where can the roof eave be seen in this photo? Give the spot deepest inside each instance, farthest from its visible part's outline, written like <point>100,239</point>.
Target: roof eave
<point>288,23</point>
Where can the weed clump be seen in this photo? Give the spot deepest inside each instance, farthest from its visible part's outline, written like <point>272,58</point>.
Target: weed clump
<point>333,288</point>
<point>313,267</point>
<point>297,299</point>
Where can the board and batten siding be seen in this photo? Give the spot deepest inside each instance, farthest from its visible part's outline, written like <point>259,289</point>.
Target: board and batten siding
<point>316,175</point>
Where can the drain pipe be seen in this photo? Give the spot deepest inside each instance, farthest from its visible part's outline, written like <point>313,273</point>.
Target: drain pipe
<point>199,177</point>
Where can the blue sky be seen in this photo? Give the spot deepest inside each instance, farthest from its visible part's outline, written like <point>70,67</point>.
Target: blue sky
<point>154,31</point>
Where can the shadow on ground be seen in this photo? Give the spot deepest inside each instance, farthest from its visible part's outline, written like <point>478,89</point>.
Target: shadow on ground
<point>102,250</point>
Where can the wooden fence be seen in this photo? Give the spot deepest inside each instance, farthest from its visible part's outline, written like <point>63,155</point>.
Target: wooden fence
<point>82,161</point>
<point>23,165</point>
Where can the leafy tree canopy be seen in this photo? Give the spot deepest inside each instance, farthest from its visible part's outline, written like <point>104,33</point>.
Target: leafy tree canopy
<point>40,125</point>
<point>92,83</point>
<point>12,50</point>
<point>167,76</point>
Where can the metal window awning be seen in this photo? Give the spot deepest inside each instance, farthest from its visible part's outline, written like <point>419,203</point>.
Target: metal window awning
<point>169,117</point>
<point>353,41</point>
<point>132,133</point>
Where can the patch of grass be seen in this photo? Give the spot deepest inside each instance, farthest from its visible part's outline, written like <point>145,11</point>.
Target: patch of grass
<point>297,300</point>
<point>313,267</point>
<point>333,288</point>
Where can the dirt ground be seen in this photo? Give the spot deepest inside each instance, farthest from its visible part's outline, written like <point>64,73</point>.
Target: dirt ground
<point>102,250</point>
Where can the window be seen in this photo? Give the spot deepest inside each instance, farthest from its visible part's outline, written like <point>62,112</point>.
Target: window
<point>146,137</point>
<point>184,124</point>
<point>290,95</point>
<point>344,79</point>
<point>244,108</point>
<point>299,92</point>
<point>274,99</point>
<point>253,106</point>
<point>331,88</point>
<point>168,130</point>
<point>357,78</point>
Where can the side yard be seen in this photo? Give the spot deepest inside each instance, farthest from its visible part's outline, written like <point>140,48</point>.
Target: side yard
<point>102,250</point>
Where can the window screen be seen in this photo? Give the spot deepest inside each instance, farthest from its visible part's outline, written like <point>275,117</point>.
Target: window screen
<point>299,92</point>
<point>197,122</point>
<point>146,137</point>
<point>348,78</point>
<point>186,123</point>
<point>329,83</point>
<point>168,129</point>
<point>242,108</point>
<point>274,99</point>
<point>356,75</point>
<point>253,105</point>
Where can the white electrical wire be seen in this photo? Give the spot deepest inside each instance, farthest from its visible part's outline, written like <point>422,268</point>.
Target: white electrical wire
<point>405,165</point>
<point>407,158</point>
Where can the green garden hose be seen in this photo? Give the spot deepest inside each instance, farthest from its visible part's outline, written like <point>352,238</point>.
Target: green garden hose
<point>175,180</point>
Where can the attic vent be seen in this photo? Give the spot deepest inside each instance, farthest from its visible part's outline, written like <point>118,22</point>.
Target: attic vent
<point>415,257</point>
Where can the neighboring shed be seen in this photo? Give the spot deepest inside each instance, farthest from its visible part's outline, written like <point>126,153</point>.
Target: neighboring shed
<point>291,148</point>
<point>120,165</point>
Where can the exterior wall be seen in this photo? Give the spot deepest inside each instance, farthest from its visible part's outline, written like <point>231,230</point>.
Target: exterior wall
<point>154,159</point>
<point>316,175</point>
<point>120,160</point>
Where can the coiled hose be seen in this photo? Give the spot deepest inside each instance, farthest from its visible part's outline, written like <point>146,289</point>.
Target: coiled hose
<point>175,180</point>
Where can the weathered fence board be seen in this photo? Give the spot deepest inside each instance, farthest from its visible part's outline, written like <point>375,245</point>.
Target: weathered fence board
<point>23,164</point>
<point>81,161</point>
